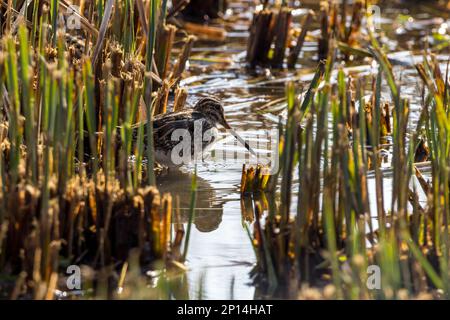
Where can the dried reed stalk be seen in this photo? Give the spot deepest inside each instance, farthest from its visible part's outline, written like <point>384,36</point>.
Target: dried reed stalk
<point>163,48</point>
<point>281,32</point>
<point>180,65</point>
<point>180,99</point>
<point>260,38</point>
<point>295,51</point>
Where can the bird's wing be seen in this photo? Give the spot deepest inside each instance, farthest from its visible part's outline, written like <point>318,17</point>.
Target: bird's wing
<point>165,124</point>
<point>163,133</point>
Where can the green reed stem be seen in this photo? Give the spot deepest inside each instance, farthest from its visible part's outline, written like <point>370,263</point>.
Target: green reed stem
<point>88,80</point>
<point>28,104</point>
<point>148,85</point>
<point>54,4</point>
<point>192,204</point>
<point>14,111</point>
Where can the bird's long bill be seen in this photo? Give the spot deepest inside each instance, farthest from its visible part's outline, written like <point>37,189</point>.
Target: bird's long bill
<point>244,143</point>
<point>238,137</point>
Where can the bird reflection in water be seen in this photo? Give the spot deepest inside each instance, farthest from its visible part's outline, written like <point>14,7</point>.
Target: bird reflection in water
<point>208,210</point>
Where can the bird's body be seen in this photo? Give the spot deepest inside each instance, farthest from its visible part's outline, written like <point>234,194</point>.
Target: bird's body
<point>170,131</point>
<point>166,138</point>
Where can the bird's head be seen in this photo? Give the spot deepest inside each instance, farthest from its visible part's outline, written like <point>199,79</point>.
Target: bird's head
<point>213,110</point>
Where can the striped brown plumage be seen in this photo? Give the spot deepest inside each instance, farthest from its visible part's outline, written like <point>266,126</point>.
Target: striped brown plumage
<point>208,111</point>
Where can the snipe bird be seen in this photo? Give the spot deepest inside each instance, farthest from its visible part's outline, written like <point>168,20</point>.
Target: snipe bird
<point>207,115</point>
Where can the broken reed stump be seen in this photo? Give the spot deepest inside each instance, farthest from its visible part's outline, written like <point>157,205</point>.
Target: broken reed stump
<point>260,38</point>
<point>334,25</point>
<point>180,99</point>
<point>283,22</point>
<point>180,64</point>
<point>162,97</point>
<point>268,27</point>
<point>324,39</point>
<point>90,223</point>
<point>295,51</point>
<point>163,47</point>
<point>254,179</point>
<point>355,24</point>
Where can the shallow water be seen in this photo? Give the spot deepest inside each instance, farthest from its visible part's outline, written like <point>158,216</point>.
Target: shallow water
<point>220,254</point>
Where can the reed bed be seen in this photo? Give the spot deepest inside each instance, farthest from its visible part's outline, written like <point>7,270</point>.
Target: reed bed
<point>331,148</point>
<point>275,42</point>
<point>71,98</point>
